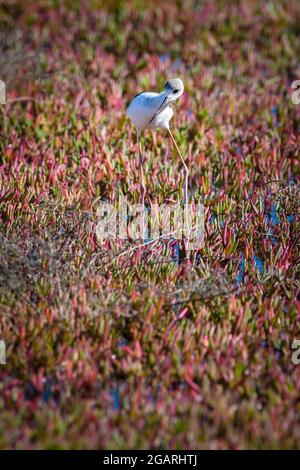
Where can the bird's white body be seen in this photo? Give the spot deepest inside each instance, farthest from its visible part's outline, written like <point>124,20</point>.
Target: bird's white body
<point>144,106</point>
<point>151,110</point>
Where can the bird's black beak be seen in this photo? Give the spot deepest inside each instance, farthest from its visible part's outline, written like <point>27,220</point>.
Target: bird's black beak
<point>157,112</point>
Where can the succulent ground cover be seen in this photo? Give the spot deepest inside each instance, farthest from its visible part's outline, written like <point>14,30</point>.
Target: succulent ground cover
<point>114,345</point>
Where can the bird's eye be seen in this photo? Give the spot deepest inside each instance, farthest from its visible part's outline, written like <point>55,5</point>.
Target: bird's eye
<point>175,91</point>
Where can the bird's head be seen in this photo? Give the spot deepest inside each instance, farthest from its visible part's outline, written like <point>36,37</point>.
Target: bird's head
<point>173,89</point>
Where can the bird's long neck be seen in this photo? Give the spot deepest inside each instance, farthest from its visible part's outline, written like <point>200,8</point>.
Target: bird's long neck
<point>162,103</point>
<point>163,95</point>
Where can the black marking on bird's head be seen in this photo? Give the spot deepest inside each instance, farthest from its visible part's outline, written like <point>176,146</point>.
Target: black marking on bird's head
<point>174,86</point>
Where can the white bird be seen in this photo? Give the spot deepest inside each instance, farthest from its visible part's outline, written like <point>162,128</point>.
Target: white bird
<point>151,110</point>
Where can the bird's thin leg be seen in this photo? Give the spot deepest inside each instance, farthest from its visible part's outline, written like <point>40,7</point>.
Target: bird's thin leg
<point>142,182</point>
<point>186,196</point>
<point>186,171</point>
